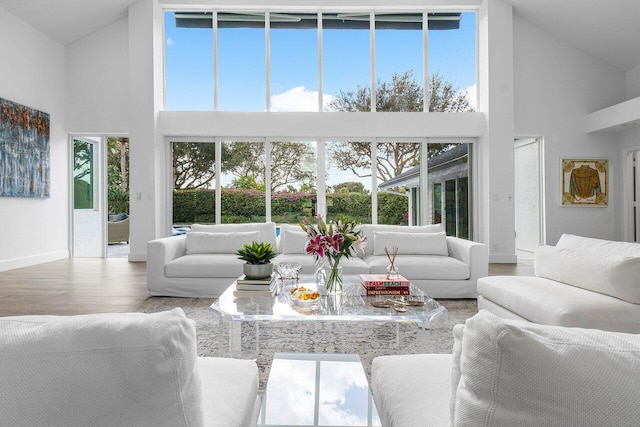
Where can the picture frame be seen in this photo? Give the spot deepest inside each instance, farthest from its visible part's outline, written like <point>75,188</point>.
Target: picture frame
<point>585,182</point>
<point>24,151</point>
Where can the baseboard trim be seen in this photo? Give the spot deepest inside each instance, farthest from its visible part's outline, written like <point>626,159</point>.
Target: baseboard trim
<point>137,256</point>
<point>503,259</point>
<point>28,261</point>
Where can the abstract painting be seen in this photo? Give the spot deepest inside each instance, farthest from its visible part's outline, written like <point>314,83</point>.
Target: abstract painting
<point>24,151</point>
<point>585,182</point>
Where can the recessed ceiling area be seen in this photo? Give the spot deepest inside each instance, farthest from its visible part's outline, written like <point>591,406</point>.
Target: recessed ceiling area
<point>603,29</point>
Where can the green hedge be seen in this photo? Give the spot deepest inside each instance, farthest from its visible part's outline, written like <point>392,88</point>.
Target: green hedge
<point>238,206</point>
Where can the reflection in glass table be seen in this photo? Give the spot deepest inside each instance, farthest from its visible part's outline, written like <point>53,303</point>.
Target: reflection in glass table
<point>317,390</point>
<point>351,305</point>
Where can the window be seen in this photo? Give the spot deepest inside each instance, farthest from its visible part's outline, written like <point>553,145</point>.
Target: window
<point>346,62</point>
<point>293,181</point>
<point>294,61</point>
<point>194,182</point>
<point>448,178</point>
<point>348,180</point>
<point>281,181</point>
<point>452,73</point>
<point>287,70</point>
<point>399,62</point>
<point>242,182</point>
<point>241,62</point>
<point>83,174</point>
<point>188,61</point>
<point>398,169</point>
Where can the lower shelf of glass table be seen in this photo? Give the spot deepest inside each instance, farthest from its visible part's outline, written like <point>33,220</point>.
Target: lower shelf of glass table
<point>317,390</point>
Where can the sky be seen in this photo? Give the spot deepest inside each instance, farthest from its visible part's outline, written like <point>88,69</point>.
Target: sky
<point>294,64</point>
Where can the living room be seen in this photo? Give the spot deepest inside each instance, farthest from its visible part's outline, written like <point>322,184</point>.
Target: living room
<point>563,75</point>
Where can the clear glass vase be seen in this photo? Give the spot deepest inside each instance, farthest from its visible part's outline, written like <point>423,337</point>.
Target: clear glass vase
<point>333,272</point>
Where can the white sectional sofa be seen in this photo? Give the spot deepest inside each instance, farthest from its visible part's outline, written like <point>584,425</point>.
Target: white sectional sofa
<point>513,373</point>
<point>581,282</point>
<point>130,369</point>
<point>442,266</point>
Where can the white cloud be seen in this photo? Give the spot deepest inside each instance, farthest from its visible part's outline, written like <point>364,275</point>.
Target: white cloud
<point>169,41</point>
<point>472,96</point>
<point>298,99</point>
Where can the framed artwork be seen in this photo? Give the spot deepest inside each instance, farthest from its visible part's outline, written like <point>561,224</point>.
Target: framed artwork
<point>24,151</point>
<point>585,182</point>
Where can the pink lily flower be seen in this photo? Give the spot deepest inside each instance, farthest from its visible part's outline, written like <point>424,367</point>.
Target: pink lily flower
<point>360,243</point>
<point>334,241</point>
<point>316,246</point>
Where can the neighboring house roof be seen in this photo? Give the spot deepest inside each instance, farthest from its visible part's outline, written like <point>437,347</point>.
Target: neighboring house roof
<point>455,156</point>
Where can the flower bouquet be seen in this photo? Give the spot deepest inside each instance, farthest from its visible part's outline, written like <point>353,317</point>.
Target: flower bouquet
<point>330,242</point>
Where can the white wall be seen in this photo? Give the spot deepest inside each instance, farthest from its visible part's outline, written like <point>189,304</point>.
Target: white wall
<point>633,83</point>
<point>32,74</point>
<point>556,85</point>
<point>97,81</point>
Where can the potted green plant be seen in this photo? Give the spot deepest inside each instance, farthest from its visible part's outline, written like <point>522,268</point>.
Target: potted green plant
<point>258,256</point>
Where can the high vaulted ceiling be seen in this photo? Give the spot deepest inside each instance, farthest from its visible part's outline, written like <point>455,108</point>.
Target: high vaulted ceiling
<point>609,30</point>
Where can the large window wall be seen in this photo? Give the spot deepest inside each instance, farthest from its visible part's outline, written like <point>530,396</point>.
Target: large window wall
<point>383,181</point>
<point>225,60</point>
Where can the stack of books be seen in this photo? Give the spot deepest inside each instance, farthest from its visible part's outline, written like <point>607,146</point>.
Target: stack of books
<point>257,288</point>
<point>379,284</point>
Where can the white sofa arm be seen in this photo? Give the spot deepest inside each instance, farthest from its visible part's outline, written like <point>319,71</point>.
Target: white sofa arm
<point>160,252</point>
<point>474,254</point>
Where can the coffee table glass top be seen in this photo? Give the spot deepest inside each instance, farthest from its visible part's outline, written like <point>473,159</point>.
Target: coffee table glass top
<point>317,390</point>
<point>351,304</point>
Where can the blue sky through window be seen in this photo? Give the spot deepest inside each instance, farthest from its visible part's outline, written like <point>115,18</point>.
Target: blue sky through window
<point>294,63</point>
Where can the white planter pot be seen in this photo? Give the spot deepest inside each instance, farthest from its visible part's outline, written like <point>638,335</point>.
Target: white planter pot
<point>257,271</point>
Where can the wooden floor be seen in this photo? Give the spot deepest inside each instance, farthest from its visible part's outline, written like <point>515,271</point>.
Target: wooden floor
<point>94,285</point>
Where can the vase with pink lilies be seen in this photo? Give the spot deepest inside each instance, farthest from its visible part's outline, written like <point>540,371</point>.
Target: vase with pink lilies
<point>330,242</point>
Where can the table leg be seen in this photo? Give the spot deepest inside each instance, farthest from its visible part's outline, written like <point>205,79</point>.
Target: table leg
<point>235,337</point>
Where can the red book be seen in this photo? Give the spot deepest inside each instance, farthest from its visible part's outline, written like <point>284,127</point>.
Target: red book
<point>388,291</point>
<point>379,280</point>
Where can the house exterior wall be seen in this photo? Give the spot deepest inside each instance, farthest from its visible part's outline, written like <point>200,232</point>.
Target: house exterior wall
<point>32,74</point>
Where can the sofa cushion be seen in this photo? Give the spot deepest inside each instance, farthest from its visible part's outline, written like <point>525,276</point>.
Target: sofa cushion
<point>422,267</point>
<point>293,241</point>
<point>602,247</point>
<point>410,243</point>
<point>549,302</point>
<point>618,276</point>
<point>229,391</point>
<point>205,265</point>
<point>219,243</point>
<point>412,390</point>
<point>369,229</point>
<point>129,369</point>
<point>518,373</point>
<point>267,230</point>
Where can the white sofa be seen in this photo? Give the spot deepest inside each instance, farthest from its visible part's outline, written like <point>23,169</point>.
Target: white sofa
<point>513,373</point>
<point>581,282</point>
<point>442,266</point>
<point>129,369</point>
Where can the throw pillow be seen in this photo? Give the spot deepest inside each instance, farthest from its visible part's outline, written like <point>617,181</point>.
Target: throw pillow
<point>369,229</point>
<point>293,242</point>
<point>219,243</point>
<point>267,230</point>
<point>410,243</point>
<point>517,373</point>
<point>618,276</point>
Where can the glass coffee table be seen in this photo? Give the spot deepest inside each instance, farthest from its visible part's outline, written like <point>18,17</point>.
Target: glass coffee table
<point>349,306</point>
<point>317,390</point>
